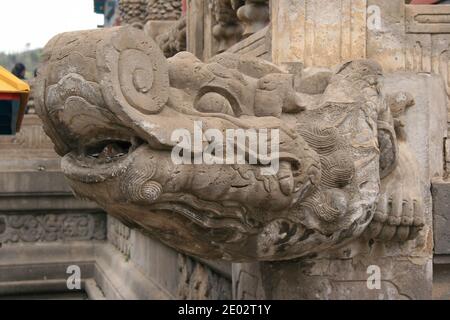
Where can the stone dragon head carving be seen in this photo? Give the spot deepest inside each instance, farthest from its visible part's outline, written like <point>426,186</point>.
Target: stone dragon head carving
<point>110,101</point>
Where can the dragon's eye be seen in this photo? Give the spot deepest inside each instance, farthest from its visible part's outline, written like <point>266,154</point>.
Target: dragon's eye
<point>213,102</point>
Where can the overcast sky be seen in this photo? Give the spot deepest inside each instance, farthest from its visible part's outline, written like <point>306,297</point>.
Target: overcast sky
<point>34,22</point>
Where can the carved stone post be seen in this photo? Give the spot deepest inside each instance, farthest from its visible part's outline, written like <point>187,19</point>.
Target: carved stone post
<point>164,9</point>
<point>166,25</point>
<point>254,15</point>
<point>227,31</point>
<point>197,24</point>
<point>322,34</point>
<point>133,12</point>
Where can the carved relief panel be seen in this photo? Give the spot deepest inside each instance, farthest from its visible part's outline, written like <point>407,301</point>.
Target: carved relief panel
<point>319,33</point>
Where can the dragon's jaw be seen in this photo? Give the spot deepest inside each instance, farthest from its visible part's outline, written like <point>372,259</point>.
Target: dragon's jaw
<point>111,103</point>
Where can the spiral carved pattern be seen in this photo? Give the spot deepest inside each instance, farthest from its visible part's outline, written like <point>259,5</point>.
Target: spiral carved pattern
<point>324,206</point>
<point>337,170</point>
<point>136,72</point>
<point>151,191</point>
<point>323,140</point>
<point>138,186</point>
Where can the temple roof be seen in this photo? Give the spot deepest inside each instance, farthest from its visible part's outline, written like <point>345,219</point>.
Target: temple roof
<point>9,83</point>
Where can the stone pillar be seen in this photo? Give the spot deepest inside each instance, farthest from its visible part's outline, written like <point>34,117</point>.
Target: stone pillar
<point>133,12</point>
<point>386,38</point>
<point>198,41</point>
<point>405,269</point>
<point>255,15</point>
<point>324,34</point>
<point>162,16</point>
<point>228,30</point>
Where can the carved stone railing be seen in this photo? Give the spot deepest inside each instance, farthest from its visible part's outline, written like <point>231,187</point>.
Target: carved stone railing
<point>214,26</point>
<point>29,149</point>
<point>164,9</point>
<point>254,15</point>
<point>162,20</point>
<point>139,12</point>
<point>227,30</point>
<point>133,12</point>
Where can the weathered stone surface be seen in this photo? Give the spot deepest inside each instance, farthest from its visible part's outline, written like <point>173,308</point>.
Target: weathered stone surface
<point>400,37</point>
<point>404,142</point>
<point>412,38</point>
<point>30,174</point>
<point>441,278</point>
<point>170,36</point>
<point>42,267</point>
<point>228,30</point>
<point>177,276</point>
<point>313,81</point>
<point>319,33</point>
<point>426,121</point>
<point>133,12</point>
<point>324,195</point>
<point>346,279</point>
<point>25,191</point>
<point>386,41</point>
<point>427,19</point>
<point>257,45</point>
<point>164,9</point>
<point>198,282</point>
<point>342,274</point>
<point>18,228</point>
<point>149,271</point>
<point>29,150</point>
<point>441,215</point>
<point>253,14</point>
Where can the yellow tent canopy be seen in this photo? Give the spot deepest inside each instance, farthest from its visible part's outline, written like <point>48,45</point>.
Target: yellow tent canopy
<point>14,95</point>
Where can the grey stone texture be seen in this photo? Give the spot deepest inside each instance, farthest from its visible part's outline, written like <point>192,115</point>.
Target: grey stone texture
<point>391,172</point>
<point>151,271</point>
<point>441,215</point>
